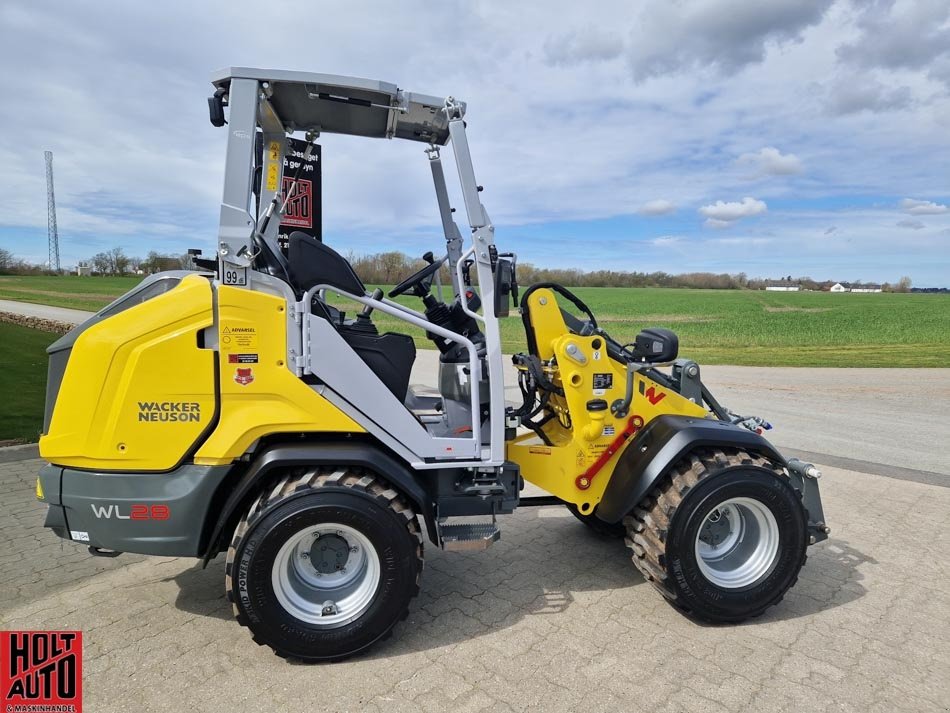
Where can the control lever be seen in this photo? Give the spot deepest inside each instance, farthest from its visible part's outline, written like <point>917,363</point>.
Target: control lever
<point>368,309</point>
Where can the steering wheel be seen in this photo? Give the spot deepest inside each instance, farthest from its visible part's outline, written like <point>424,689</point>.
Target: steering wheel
<point>416,279</point>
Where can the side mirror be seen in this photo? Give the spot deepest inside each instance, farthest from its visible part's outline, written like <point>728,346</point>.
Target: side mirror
<point>656,345</point>
<point>216,108</point>
<point>506,285</point>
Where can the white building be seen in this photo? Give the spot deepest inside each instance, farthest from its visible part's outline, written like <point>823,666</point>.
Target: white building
<point>781,287</point>
<point>848,287</point>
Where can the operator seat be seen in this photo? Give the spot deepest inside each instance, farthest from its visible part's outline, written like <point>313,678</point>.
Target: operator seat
<point>390,355</point>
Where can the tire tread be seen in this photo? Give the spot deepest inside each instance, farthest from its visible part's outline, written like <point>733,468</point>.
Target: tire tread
<point>648,523</point>
<point>293,484</point>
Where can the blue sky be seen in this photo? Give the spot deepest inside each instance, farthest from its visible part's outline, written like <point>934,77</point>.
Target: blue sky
<point>795,136</point>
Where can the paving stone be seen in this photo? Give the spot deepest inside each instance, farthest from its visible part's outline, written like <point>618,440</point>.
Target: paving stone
<point>552,618</point>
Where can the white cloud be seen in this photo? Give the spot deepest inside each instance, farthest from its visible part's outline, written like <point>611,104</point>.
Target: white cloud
<point>722,214</point>
<point>769,161</point>
<point>915,207</point>
<point>911,224</point>
<point>657,207</point>
<point>665,241</point>
<point>589,44</point>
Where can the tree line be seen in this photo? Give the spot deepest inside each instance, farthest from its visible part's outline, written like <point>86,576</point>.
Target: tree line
<point>109,262</point>
<point>389,268</point>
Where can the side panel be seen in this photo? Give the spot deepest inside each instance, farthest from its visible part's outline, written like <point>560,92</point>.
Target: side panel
<point>137,392</point>
<point>260,395</point>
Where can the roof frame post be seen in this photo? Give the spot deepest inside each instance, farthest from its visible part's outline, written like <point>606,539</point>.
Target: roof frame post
<point>236,225</point>
<point>485,253</point>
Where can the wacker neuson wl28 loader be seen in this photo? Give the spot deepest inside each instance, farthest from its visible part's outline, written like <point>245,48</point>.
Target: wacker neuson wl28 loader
<point>235,409</point>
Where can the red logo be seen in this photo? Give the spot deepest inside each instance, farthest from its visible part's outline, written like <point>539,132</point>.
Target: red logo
<point>653,396</point>
<point>244,376</point>
<point>41,670</point>
<point>299,211</point>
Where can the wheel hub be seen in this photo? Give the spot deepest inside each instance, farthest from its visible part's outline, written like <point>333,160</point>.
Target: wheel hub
<point>329,553</point>
<point>716,529</point>
<point>326,574</point>
<point>737,543</point>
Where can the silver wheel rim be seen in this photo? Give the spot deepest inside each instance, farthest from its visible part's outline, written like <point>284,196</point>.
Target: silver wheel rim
<point>326,599</point>
<point>737,543</point>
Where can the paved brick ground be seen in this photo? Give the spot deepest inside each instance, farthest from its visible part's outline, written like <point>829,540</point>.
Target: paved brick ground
<point>551,618</point>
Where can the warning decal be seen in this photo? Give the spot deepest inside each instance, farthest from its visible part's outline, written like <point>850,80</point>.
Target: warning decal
<point>273,167</point>
<point>238,339</point>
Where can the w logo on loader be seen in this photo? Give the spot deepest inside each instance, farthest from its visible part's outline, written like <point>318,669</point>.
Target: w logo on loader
<point>652,395</point>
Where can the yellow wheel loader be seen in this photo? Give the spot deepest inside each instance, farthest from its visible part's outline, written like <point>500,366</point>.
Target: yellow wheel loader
<point>234,409</point>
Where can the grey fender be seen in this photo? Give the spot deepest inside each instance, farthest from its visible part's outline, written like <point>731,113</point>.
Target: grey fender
<point>284,455</point>
<point>657,448</point>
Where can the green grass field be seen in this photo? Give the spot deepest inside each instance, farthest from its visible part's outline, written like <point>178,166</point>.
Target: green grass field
<point>86,293</point>
<point>22,381</point>
<point>715,326</point>
<point>755,328</point>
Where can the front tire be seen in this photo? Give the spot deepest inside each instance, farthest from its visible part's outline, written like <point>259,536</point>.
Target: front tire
<point>723,537</point>
<point>324,564</point>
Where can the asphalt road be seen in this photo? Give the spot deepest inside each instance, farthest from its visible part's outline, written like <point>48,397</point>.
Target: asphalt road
<point>57,314</point>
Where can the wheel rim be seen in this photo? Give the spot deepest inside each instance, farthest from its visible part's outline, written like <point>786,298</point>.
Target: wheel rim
<point>326,574</point>
<point>737,543</point>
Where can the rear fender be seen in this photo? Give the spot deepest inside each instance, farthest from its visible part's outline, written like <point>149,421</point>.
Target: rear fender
<point>659,446</point>
<point>284,455</point>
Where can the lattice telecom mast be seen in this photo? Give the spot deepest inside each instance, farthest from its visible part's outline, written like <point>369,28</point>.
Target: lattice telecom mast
<point>51,215</point>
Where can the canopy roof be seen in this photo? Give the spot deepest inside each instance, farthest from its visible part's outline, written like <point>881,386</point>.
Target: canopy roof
<point>347,105</point>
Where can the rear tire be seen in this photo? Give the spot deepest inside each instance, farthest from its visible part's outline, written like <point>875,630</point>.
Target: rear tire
<point>324,564</point>
<point>723,537</point>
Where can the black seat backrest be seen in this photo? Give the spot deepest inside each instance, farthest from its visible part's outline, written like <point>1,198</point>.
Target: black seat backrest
<point>313,263</point>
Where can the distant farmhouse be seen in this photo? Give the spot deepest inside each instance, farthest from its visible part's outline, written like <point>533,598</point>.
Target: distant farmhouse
<point>848,287</point>
<point>782,286</point>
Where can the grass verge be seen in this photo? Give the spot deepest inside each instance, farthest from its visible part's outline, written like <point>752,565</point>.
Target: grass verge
<point>22,382</point>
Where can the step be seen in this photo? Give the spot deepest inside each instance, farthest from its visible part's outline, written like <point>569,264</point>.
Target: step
<point>469,537</point>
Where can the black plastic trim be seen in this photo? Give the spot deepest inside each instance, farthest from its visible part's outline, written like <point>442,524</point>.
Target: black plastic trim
<point>658,447</point>
<point>284,455</point>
